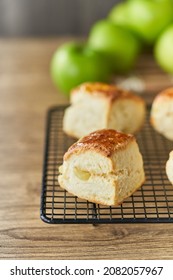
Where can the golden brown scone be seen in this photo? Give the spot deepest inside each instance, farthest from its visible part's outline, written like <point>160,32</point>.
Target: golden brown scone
<point>104,167</point>
<point>96,106</point>
<point>162,113</point>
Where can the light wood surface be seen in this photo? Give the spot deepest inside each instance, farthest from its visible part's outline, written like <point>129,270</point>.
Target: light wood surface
<point>26,92</point>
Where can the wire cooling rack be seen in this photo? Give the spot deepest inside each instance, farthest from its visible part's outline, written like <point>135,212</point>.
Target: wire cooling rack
<point>152,203</point>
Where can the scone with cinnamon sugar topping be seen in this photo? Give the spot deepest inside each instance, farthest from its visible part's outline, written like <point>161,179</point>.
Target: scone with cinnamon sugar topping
<point>103,167</point>
<point>162,113</point>
<point>96,106</point>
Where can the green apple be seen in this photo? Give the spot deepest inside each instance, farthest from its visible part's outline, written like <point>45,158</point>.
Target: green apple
<point>148,18</point>
<point>118,14</point>
<point>116,42</point>
<point>74,63</point>
<point>163,50</point>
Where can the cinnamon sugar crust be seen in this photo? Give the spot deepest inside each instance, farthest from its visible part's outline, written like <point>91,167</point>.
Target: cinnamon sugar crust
<point>105,141</point>
<point>111,92</point>
<point>167,93</point>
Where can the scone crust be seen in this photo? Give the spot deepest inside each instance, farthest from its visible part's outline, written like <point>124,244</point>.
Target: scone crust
<point>130,194</point>
<point>104,141</point>
<point>167,93</point>
<point>108,91</point>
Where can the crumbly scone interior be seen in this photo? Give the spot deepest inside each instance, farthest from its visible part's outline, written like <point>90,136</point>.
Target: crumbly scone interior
<point>85,115</point>
<point>89,175</point>
<point>121,116</point>
<point>108,181</point>
<point>162,117</point>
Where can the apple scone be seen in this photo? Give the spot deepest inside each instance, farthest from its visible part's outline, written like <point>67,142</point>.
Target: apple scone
<point>97,106</point>
<point>103,167</point>
<point>162,113</point>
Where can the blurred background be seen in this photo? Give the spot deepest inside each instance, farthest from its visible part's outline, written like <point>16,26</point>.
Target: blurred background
<point>137,56</point>
<point>20,18</point>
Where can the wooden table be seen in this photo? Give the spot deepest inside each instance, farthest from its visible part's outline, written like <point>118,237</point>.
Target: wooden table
<point>26,92</point>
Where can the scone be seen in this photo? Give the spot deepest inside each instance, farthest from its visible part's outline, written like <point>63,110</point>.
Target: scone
<point>162,113</point>
<point>104,167</point>
<point>97,106</point>
<point>169,167</point>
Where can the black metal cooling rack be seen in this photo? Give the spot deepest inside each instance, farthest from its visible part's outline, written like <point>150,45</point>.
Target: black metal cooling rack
<point>152,203</point>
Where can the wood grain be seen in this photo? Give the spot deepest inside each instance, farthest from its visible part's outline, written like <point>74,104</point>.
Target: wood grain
<point>26,92</point>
